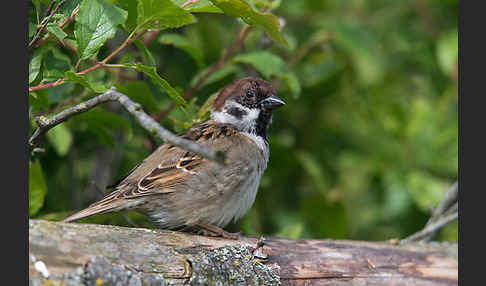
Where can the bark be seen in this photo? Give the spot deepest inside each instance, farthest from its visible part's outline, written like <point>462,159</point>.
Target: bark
<point>87,254</point>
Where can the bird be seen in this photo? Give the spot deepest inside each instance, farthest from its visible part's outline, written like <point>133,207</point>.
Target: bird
<point>180,190</point>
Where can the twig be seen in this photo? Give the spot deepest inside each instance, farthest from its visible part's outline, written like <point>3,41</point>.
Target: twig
<point>219,64</point>
<point>447,202</point>
<point>431,229</point>
<point>444,213</point>
<point>150,37</point>
<point>39,32</point>
<point>49,8</point>
<point>45,124</point>
<point>130,39</point>
<point>188,2</point>
<point>69,19</point>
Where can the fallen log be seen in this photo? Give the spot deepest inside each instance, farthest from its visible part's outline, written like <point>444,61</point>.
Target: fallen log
<point>88,254</point>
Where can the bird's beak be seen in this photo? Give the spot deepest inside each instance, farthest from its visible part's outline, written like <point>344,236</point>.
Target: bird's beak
<point>272,102</point>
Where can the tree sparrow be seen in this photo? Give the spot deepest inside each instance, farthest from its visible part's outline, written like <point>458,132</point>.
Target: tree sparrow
<point>179,190</point>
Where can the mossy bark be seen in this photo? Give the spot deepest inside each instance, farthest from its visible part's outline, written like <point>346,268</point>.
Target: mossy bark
<point>84,254</point>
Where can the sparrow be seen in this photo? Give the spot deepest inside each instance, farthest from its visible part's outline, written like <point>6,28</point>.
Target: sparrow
<point>179,190</point>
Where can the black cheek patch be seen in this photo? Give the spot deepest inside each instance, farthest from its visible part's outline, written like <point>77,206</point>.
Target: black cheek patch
<point>236,112</point>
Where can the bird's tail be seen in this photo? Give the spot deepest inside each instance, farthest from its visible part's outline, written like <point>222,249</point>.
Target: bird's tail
<point>96,208</point>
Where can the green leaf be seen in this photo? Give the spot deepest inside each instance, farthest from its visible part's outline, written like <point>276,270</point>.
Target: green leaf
<point>139,92</point>
<point>166,87</point>
<point>266,63</point>
<point>55,65</point>
<point>35,64</point>
<point>131,7</point>
<point>271,4</point>
<point>96,22</point>
<point>146,54</point>
<point>60,138</point>
<point>37,188</point>
<point>201,6</point>
<point>267,21</point>
<point>56,31</point>
<point>81,79</point>
<point>32,25</point>
<point>182,43</point>
<point>161,14</point>
<point>68,7</point>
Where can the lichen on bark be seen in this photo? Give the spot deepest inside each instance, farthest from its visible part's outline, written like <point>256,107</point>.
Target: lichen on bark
<point>230,265</point>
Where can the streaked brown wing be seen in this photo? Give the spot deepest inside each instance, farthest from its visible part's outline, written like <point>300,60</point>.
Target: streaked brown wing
<point>174,166</point>
<point>166,176</point>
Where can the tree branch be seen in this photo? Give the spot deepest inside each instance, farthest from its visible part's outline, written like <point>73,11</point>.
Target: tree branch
<point>431,229</point>
<point>45,124</point>
<point>115,255</point>
<point>443,214</point>
<point>447,202</point>
<point>41,29</point>
<point>69,19</point>
<point>188,2</point>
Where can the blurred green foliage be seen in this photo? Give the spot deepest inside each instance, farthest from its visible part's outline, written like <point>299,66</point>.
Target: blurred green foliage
<point>366,145</point>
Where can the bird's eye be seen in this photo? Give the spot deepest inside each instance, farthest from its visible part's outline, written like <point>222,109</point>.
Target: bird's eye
<point>250,94</point>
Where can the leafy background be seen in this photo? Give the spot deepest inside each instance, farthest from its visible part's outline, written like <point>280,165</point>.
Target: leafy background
<point>366,145</point>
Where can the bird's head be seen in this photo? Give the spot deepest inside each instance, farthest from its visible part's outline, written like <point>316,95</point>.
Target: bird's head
<point>247,104</point>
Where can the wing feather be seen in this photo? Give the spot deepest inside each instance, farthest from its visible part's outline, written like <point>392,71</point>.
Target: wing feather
<point>178,166</point>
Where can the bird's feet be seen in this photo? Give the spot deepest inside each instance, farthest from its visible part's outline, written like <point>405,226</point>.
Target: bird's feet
<point>212,230</point>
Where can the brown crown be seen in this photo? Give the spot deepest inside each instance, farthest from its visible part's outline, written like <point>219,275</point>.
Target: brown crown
<point>239,88</point>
